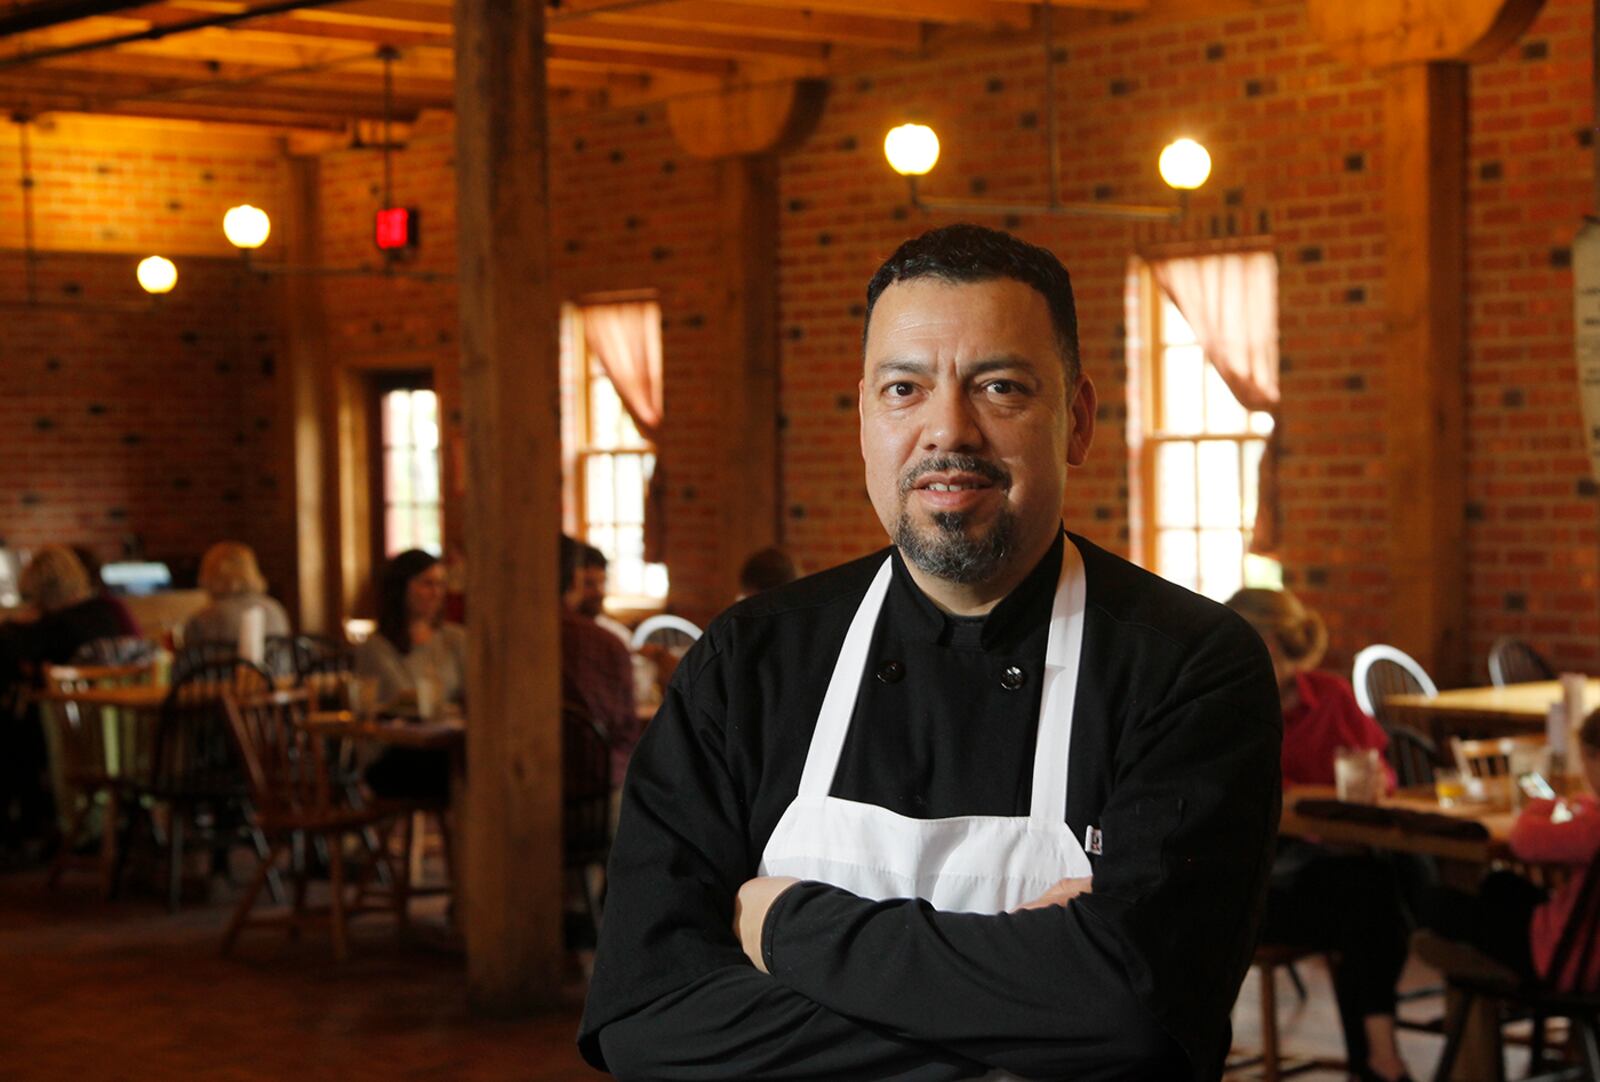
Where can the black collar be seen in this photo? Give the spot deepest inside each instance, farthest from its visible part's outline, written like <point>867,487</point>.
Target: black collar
<point>1023,610</point>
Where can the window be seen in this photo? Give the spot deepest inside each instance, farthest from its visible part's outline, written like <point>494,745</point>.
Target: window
<point>409,442</point>
<point>608,466</point>
<point>1198,454</point>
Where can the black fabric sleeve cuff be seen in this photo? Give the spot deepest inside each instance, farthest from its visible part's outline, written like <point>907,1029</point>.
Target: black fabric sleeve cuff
<point>769,926</point>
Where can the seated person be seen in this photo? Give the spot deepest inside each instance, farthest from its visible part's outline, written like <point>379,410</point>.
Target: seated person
<point>765,570</point>
<point>596,669</point>
<point>411,644</point>
<point>587,595</point>
<point>1514,922</point>
<point>1347,903</point>
<point>230,574</point>
<point>71,613</point>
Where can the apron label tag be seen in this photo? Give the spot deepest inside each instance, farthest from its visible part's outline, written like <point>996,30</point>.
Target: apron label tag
<point>1091,841</point>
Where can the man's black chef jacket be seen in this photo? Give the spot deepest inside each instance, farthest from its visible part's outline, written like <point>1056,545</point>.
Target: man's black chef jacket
<point>1174,758</point>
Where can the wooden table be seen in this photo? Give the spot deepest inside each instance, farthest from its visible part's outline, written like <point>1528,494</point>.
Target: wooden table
<point>1465,838</point>
<point>126,697</point>
<point>1479,712</point>
<point>1409,821</point>
<point>444,735</point>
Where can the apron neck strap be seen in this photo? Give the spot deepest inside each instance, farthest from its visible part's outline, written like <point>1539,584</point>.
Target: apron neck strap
<point>827,742</point>
<point>1062,651</point>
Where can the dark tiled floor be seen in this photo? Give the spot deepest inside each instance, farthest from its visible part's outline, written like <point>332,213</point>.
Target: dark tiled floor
<point>124,991</point>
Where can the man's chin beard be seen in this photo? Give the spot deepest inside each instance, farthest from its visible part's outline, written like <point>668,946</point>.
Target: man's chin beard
<point>948,550</point>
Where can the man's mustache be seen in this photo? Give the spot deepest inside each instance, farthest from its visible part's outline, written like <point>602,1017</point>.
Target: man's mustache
<point>982,467</point>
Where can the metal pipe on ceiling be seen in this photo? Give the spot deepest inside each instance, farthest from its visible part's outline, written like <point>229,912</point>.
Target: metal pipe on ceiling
<point>47,13</point>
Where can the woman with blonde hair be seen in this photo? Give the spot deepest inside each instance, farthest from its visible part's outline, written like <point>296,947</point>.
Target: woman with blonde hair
<point>230,574</point>
<point>1319,898</point>
<point>71,612</point>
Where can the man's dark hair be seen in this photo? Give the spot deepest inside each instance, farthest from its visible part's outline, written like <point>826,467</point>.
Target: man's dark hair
<point>571,558</point>
<point>593,557</point>
<point>972,253</point>
<point>766,570</point>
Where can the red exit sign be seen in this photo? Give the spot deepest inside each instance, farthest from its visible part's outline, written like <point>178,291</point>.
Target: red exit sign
<point>395,228</point>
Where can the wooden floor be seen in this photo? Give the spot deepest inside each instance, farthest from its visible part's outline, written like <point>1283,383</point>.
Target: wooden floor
<point>123,990</point>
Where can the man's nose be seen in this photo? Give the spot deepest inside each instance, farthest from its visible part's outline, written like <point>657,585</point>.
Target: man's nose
<point>951,423</point>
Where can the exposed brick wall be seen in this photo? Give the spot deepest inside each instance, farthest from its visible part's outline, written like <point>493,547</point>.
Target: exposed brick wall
<point>121,416</point>
<point>1533,551</point>
<point>1296,141</point>
<point>157,420</point>
<point>629,211</point>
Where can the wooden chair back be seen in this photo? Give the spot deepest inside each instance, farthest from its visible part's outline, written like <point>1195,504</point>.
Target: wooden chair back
<point>195,754</point>
<point>672,632</point>
<point>92,746</point>
<point>115,650</point>
<point>292,781</point>
<point>1413,756</point>
<point>1382,670</point>
<point>1512,661</point>
<point>1491,757</point>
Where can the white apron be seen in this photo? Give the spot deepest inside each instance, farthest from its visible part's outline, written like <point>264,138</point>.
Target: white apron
<point>973,863</point>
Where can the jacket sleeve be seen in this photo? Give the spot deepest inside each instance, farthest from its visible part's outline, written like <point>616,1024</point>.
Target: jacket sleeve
<point>673,995</point>
<point>1106,982</point>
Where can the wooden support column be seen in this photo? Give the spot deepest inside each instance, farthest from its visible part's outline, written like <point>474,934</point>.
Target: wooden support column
<point>308,391</point>
<point>748,238</point>
<point>511,869</point>
<point>1424,165</point>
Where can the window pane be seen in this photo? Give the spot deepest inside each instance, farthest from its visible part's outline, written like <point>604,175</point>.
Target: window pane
<point>425,420</point>
<point>396,530</point>
<point>1223,412</point>
<point>604,538</point>
<point>1175,492</point>
<point>396,410</point>
<point>396,475</point>
<point>425,465</point>
<point>655,580</point>
<point>1175,330</point>
<point>1263,571</point>
<point>604,410</point>
<point>1219,483</point>
<point>1175,557</point>
<point>1182,371</point>
<point>1252,480</point>
<point>1221,563</point>
<point>1261,423</point>
<point>599,492</point>
<point>630,490</point>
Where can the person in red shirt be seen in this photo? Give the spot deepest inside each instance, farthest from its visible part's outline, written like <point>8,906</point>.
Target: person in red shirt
<point>1345,903</point>
<point>1515,922</point>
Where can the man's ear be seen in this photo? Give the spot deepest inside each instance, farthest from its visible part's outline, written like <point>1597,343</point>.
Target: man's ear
<point>1081,408</point>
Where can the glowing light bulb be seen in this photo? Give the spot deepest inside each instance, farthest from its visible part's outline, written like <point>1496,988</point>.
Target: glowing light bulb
<point>1185,164</point>
<point>246,226</point>
<point>157,274</point>
<point>912,149</point>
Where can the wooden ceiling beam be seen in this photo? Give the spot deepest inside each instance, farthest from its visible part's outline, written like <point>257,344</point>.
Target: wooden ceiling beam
<point>297,23</point>
<point>794,24</point>
<point>682,42</point>
<point>582,56</point>
<point>991,14</point>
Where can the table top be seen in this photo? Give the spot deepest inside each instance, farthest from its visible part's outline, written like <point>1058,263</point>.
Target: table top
<point>1514,702</point>
<point>401,732</point>
<point>1408,821</point>
<point>127,696</point>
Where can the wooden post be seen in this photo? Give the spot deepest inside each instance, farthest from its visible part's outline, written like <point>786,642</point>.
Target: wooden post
<point>1425,109</point>
<point>510,873</point>
<point>748,237</point>
<point>307,391</point>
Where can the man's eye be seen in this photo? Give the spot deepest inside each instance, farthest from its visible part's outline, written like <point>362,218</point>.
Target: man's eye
<point>900,390</point>
<point>1003,387</point>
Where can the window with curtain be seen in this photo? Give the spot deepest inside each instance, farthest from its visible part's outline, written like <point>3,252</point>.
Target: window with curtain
<point>412,514</point>
<point>610,408</point>
<point>1203,420</point>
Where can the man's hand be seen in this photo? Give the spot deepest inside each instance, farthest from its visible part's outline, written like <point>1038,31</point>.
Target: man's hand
<point>750,907</point>
<point>1060,894</point>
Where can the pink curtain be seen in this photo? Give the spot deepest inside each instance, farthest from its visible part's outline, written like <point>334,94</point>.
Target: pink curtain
<point>626,338</point>
<point>1231,301</point>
